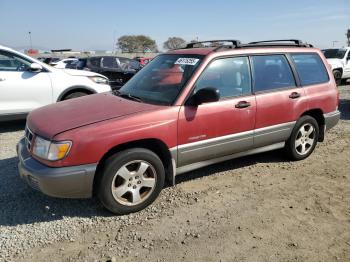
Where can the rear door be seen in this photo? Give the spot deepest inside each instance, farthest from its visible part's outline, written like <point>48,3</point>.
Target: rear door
<point>279,99</point>
<point>221,128</point>
<point>20,89</point>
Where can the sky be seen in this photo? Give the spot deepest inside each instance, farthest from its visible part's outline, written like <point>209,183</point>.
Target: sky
<point>96,25</point>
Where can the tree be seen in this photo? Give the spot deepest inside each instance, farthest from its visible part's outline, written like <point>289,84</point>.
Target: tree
<point>136,43</point>
<point>174,43</point>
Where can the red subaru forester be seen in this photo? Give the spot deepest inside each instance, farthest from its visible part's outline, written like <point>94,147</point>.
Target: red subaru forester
<point>188,108</point>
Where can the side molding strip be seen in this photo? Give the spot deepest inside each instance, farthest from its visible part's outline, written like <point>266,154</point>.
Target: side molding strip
<point>194,166</point>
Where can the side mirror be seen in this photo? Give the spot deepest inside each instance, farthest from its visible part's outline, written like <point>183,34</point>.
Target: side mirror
<point>205,95</point>
<point>34,67</point>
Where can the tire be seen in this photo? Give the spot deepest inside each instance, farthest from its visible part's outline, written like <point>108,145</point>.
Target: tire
<point>299,145</point>
<point>345,82</point>
<point>337,76</point>
<point>130,181</point>
<point>74,95</point>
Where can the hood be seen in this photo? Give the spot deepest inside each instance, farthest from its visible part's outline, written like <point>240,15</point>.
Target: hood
<point>51,120</point>
<point>75,72</point>
<point>335,62</point>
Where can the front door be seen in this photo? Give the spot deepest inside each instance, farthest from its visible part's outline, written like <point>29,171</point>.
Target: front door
<point>221,128</point>
<point>20,89</point>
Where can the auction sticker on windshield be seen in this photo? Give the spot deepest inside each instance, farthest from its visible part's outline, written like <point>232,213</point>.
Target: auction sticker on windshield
<point>186,61</point>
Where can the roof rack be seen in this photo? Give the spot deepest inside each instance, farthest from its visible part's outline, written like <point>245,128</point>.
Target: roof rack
<point>292,42</point>
<point>235,43</point>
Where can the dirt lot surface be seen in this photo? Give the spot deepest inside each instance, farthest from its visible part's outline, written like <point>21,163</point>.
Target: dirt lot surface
<point>257,208</point>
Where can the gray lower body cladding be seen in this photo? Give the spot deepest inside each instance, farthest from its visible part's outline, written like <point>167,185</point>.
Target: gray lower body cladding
<point>231,144</point>
<point>331,119</point>
<point>65,182</point>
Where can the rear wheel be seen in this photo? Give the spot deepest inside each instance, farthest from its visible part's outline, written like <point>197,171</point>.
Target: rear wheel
<point>303,139</point>
<point>131,180</point>
<point>337,76</point>
<point>74,95</point>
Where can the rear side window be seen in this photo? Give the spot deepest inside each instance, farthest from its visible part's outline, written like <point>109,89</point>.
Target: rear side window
<point>271,72</point>
<point>310,68</point>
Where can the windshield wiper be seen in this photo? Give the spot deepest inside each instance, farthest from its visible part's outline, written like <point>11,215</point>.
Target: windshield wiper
<point>127,96</point>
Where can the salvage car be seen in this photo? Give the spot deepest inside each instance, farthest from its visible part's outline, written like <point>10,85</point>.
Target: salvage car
<point>117,69</point>
<point>143,60</point>
<point>187,109</point>
<point>26,84</point>
<point>64,62</point>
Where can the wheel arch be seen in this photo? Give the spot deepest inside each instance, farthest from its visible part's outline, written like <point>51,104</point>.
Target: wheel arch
<point>74,89</point>
<point>338,68</point>
<point>317,113</point>
<point>155,145</point>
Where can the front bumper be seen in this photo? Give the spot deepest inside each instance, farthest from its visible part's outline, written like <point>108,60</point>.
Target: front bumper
<point>331,119</point>
<point>64,182</point>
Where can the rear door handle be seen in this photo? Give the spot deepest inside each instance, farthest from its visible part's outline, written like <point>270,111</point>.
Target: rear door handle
<point>294,95</point>
<point>242,104</point>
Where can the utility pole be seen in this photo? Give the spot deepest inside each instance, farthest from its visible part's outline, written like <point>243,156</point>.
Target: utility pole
<point>348,37</point>
<point>30,40</point>
<point>114,43</point>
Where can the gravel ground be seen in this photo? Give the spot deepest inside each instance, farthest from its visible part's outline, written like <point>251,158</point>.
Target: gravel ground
<point>257,208</point>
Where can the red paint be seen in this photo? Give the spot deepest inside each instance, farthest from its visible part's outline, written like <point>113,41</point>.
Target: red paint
<point>100,122</point>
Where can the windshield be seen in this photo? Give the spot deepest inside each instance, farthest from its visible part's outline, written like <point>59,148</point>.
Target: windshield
<point>334,53</point>
<point>162,80</point>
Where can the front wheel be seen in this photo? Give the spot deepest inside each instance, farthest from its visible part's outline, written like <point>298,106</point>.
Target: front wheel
<point>337,76</point>
<point>303,139</point>
<point>131,180</point>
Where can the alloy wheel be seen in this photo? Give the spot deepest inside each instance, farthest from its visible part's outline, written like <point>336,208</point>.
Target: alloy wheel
<point>134,182</point>
<point>305,139</point>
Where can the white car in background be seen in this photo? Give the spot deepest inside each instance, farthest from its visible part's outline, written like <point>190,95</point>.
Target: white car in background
<point>339,60</point>
<point>27,83</point>
<point>62,63</point>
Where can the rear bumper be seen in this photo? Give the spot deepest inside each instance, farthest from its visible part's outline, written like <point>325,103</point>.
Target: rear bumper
<point>331,119</point>
<point>64,182</point>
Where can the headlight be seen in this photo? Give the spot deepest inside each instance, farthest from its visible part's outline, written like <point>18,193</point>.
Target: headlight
<point>99,79</point>
<point>51,150</point>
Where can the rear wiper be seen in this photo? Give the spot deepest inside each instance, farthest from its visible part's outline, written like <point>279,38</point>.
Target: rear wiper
<point>127,96</point>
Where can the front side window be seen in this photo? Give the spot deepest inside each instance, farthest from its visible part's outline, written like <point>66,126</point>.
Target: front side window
<point>271,72</point>
<point>310,68</point>
<point>12,62</point>
<point>231,76</point>
<point>334,53</point>
<point>163,79</point>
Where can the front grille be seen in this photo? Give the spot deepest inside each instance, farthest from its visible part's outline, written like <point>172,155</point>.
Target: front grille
<point>29,137</point>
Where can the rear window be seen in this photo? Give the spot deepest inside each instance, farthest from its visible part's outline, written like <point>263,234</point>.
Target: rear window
<point>310,68</point>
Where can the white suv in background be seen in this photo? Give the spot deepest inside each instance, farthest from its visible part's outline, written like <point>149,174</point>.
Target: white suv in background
<point>339,60</point>
<point>27,83</point>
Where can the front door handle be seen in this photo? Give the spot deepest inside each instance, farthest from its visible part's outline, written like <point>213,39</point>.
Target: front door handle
<point>294,95</point>
<point>242,104</point>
